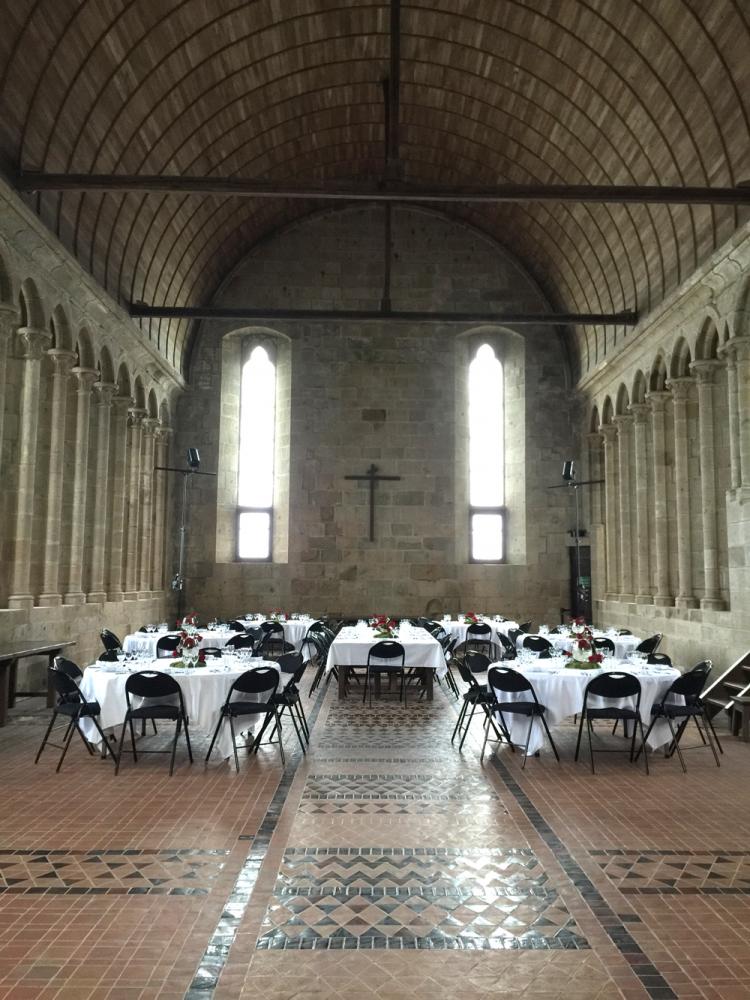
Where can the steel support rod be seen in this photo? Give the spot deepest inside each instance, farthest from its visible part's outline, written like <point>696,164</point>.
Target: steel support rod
<point>139,310</point>
<point>230,187</point>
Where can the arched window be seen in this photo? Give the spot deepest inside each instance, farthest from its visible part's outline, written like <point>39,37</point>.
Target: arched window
<point>255,479</point>
<point>486,458</point>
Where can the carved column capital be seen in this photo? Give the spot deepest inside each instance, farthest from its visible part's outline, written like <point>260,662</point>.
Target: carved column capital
<point>658,400</point>
<point>149,425</point>
<point>105,394</point>
<point>704,371</point>
<point>623,422</point>
<point>609,433</point>
<point>33,342</point>
<point>594,439</point>
<point>62,361</point>
<point>640,412</point>
<point>86,378</point>
<point>8,320</point>
<point>136,416</point>
<point>121,405</point>
<point>680,387</point>
<point>741,347</point>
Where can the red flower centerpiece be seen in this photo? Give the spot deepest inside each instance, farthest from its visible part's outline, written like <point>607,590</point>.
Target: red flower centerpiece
<point>471,618</point>
<point>583,654</point>
<point>385,627</point>
<point>188,647</point>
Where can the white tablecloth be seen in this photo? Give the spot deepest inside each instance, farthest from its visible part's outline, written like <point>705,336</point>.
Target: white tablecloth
<point>145,642</point>
<point>351,645</point>
<point>294,631</point>
<point>561,690</point>
<point>457,629</point>
<point>204,691</point>
<point>624,644</point>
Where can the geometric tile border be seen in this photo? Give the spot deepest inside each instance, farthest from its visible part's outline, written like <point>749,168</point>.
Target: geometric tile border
<point>693,873</point>
<point>422,898</point>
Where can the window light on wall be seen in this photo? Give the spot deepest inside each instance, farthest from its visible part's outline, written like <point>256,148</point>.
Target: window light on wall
<point>486,458</point>
<point>256,455</point>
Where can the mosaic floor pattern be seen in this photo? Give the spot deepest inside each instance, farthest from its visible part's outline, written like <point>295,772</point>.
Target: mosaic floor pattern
<point>669,872</point>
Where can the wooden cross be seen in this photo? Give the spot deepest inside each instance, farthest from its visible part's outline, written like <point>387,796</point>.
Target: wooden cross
<point>372,478</point>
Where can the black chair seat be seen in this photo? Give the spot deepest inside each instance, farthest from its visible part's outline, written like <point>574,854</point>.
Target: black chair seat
<point>236,708</point>
<point>169,712</point>
<point>612,712</point>
<point>521,707</point>
<point>85,708</point>
<point>676,711</point>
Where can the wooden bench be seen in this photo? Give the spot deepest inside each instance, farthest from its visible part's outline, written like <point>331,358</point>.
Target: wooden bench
<point>9,658</point>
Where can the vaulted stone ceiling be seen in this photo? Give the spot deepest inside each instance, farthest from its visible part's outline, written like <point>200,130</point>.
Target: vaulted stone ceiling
<point>492,91</point>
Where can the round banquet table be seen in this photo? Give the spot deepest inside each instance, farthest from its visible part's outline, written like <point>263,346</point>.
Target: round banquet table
<point>561,690</point>
<point>144,643</point>
<point>457,629</point>
<point>295,630</point>
<point>204,690</point>
<point>624,644</point>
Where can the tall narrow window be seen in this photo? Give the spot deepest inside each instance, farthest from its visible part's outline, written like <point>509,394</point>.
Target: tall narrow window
<point>257,443</point>
<point>486,458</point>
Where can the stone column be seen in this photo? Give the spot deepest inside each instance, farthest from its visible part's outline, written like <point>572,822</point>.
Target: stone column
<point>150,426</point>
<point>119,445</point>
<point>75,593</point>
<point>133,503</point>
<point>704,372</point>
<point>8,321</point>
<point>104,392</point>
<point>33,344</point>
<point>63,362</point>
<point>160,506</point>
<point>595,455</point>
<point>727,352</point>
<point>680,388</point>
<point>662,596</point>
<point>623,422</point>
<point>609,432</point>
<point>742,354</point>
<point>640,413</point>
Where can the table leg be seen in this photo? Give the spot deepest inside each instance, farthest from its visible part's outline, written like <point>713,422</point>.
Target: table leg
<point>12,682</point>
<point>50,689</point>
<point>4,680</point>
<point>429,683</point>
<point>342,681</point>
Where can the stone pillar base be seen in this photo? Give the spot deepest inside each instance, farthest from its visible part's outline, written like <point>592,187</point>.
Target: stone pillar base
<point>663,601</point>
<point>50,600</point>
<point>96,597</point>
<point>712,604</point>
<point>145,595</point>
<point>21,602</point>
<point>75,598</point>
<point>685,602</point>
<point>644,599</point>
<point>626,598</point>
<point>130,595</point>
<point>115,596</point>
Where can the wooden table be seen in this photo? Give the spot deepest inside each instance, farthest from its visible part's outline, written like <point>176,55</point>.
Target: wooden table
<point>9,658</point>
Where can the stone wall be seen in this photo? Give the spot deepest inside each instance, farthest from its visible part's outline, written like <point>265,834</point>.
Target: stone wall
<point>389,394</point>
<point>85,408</point>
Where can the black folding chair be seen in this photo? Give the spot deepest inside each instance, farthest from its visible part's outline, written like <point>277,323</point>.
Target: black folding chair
<point>688,687</point>
<point>237,625</point>
<point>510,681</point>
<point>661,659</point>
<point>166,645</point>
<point>525,627</point>
<point>508,647</point>
<point>155,689</point>
<point>479,638</point>
<point>240,641</point>
<point>262,682</point>
<point>72,706</point>
<point>211,651</point>
<point>649,645</point>
<point>109,640</point>
<point>612,685</point>
<point>272,643</point>
<point>291,668</point>
<point>385,650</point>
<point>537,644</point>
<point>477,696</point>
<point>604,645</point>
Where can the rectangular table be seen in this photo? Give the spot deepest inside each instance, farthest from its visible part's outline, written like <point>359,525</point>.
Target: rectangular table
<point>422,651</point>
<point>9,658</point>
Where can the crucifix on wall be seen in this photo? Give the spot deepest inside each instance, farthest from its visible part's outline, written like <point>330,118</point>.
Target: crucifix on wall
<point>372,477</point>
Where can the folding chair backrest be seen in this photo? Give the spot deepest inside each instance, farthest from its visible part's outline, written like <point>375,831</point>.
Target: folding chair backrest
<point>613,684</point>
<point>259,680</point>
<point>65,686</point>
<point>109,639</point>
<point>649,645</point>
<point>211,651</point>
<point>167,645</point>
<point>272,628</point>
<point>68,667</point>
<point>289,662</point>
<point>479,630</point>
<point>476,663</point>
<point>151,684</point>
<point>664,658</point>
<point>508,679</point>
<point>524,627</point>
<point>513,634</point>
<point>508,647</point>
<point>241,641</point>
<point>691,683</point>
<point>603,642</point>
<point>386,649</point>
<point>237,625</point>
<point>536,643</point>
<point>108,656</point>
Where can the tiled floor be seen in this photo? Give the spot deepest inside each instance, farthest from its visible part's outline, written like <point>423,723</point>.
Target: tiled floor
<point>384,864</point>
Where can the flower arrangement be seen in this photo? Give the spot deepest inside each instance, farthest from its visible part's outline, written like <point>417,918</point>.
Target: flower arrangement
<point>188,621</point>
<point>277,615</point>
<point>385,627</point>
<point>189,645</point>
<point>471,618</point>
<point>583,653</point>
